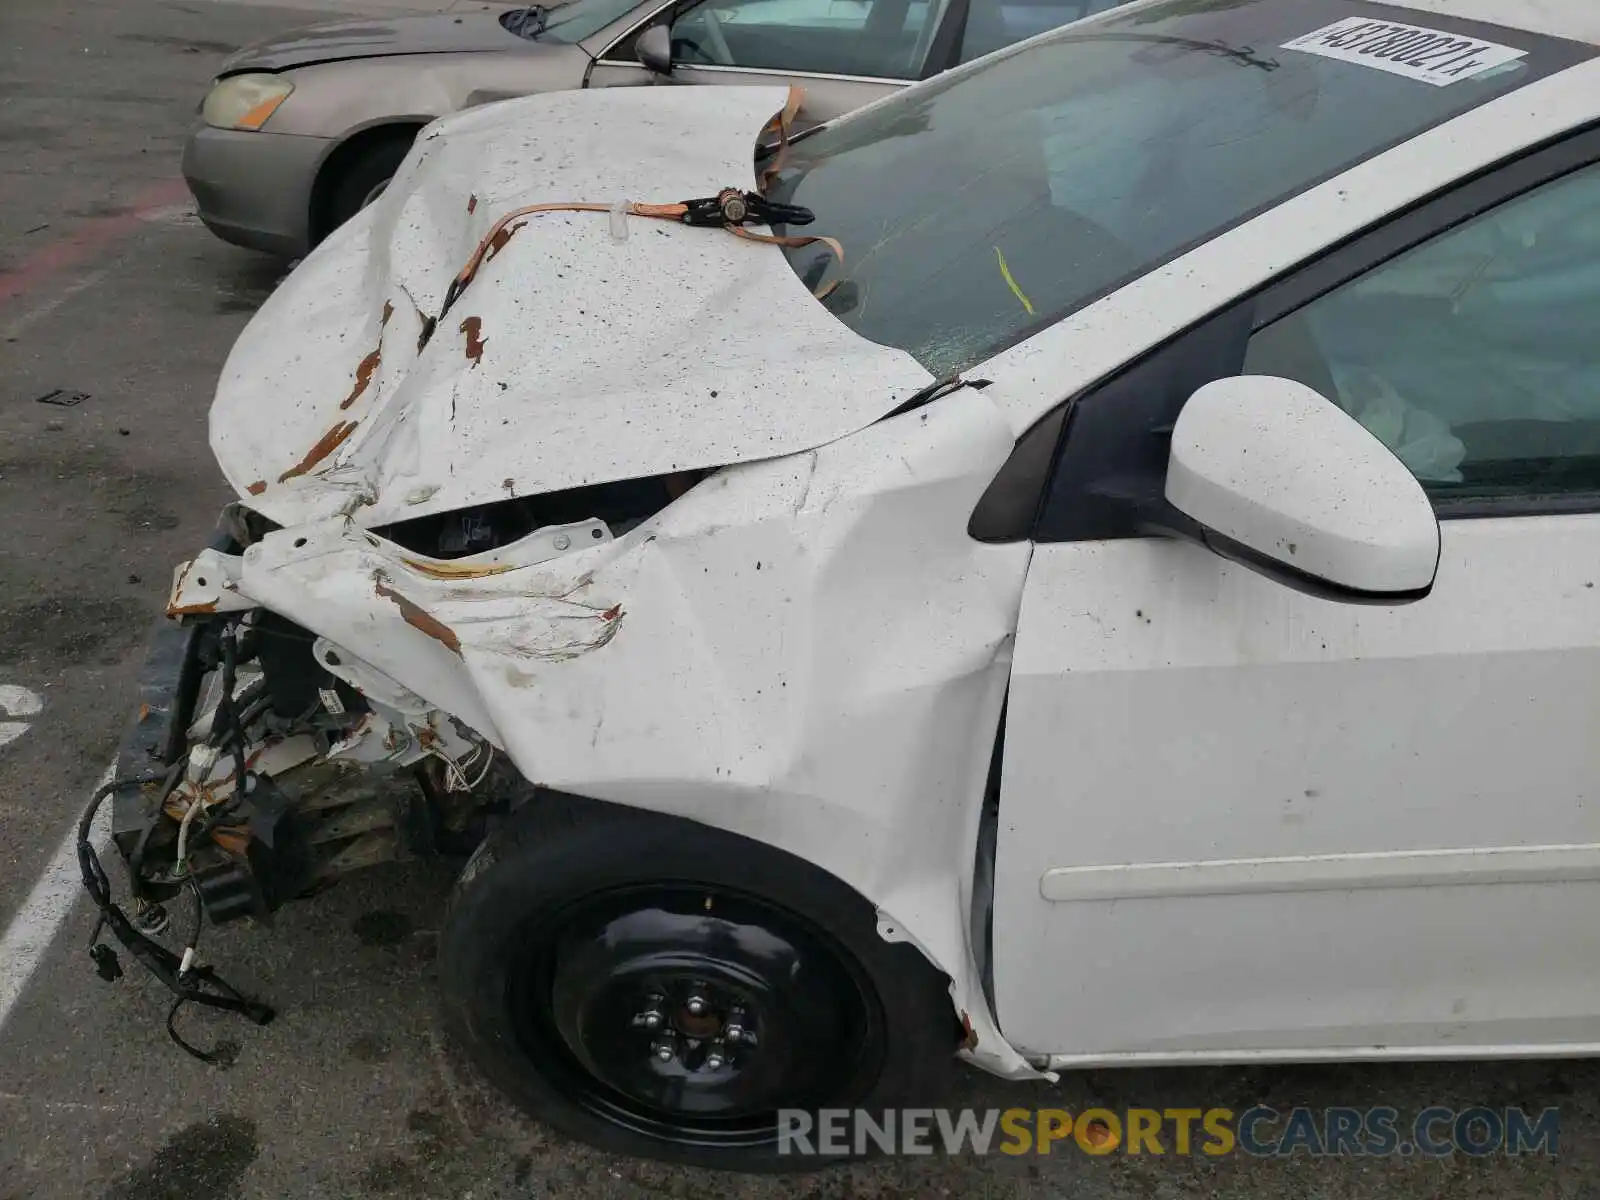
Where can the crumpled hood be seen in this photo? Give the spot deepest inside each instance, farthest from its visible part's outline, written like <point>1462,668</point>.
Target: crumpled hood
<point>574,357</point>
<point>374,37</point>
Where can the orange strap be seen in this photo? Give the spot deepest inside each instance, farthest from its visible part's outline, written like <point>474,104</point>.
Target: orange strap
<point>795,242</point>
<point>499,233</point>
<point>487,246</point>
<point>784,121</point>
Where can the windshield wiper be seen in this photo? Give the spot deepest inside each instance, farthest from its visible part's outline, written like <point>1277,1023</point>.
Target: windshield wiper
<point>526,22</point>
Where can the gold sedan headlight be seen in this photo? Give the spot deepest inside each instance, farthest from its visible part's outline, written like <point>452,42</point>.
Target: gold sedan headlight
<point>245,101</point>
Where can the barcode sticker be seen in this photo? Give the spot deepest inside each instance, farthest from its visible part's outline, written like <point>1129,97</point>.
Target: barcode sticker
<point>1428,55</point>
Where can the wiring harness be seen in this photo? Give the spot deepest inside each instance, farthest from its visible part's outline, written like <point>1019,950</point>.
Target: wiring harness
<point>190,981</point>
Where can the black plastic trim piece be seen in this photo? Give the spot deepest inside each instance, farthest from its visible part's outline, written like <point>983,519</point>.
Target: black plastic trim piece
<point>937,390</point>
<point>1474,508</point>
<point>1009,507</point>
<point>1303,581</point>
<point>984,866</point>
<point>1161,518</point>
<point>947,40</point>
<point>1112,465</point>
<point>169,683</point>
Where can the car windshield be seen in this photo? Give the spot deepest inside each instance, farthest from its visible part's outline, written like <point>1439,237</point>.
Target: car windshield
<point>992,202</point>
<point>576,20</point>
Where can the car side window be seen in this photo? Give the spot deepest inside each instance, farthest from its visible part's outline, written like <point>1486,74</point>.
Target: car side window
<point>995,24</point>
<point>879,38</point>
<point>1472,356</point>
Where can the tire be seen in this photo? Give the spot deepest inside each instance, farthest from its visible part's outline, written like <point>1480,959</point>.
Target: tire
<point>372,167</point>
<point>558,1016</point>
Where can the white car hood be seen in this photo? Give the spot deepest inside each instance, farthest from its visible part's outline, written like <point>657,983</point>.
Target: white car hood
<point>574,357</point>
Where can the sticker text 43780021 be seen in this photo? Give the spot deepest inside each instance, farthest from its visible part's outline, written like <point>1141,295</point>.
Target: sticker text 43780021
<point>1427,55</point>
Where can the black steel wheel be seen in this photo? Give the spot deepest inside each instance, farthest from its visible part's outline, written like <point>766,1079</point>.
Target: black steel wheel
<point>660,988</point>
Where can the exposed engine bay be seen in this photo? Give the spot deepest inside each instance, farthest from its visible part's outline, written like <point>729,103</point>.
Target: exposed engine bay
<point>280,764</point>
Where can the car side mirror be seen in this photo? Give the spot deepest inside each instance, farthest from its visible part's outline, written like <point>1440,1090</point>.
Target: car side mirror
<point>1278,478</point>
<point>654,50</point>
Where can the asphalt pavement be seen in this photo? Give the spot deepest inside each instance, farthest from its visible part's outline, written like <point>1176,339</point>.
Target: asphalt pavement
<point>113,296</point>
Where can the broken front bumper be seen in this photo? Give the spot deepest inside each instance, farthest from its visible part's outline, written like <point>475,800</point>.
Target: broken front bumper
<point>268,787</point>
<point>156,738</point>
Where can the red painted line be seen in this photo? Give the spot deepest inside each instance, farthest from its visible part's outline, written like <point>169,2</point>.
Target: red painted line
<point>90,237</point>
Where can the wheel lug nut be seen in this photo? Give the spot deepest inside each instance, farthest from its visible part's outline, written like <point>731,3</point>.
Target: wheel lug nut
<point>734,1032</point>
<point>664,1049</point>
<point>696,1005</point>
<point>650,1019</point>
<point>716,1057</point>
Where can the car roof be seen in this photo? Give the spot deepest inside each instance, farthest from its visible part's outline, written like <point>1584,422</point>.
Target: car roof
<point>1578,20</point>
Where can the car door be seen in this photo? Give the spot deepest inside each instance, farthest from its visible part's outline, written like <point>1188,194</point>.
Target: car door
<point>844,53</point>
<point>1237,820</point>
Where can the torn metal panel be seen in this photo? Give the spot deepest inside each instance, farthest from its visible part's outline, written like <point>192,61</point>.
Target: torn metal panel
<point>678,348</point>
<point>208,583</point>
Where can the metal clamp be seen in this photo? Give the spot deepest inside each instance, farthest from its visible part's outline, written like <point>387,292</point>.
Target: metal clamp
<point>730,206</point>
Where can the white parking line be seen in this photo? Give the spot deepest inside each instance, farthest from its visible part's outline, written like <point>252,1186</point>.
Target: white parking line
<point>34,928</point>
<point>17,702</point>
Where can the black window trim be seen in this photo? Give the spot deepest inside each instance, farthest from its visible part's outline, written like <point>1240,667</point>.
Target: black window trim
<point>941,47</point>
<point>1467,200</point>
<point>996,518</point>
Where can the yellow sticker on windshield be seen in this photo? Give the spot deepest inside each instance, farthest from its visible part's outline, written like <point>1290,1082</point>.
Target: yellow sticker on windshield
<point>1428,55</point>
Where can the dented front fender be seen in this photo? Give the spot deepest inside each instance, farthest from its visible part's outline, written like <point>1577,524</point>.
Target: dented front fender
<point>808,651</point>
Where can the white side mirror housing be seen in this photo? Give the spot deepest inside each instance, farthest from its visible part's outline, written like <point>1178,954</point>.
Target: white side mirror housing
<point>1281,479</point>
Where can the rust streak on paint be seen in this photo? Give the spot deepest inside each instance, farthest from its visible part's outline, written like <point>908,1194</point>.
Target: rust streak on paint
<point>448,570</point>
<point>612,613</point>
<point>473,328</point>
<point>472,203</point>
<point>326,445</point>
<point>498,242</point>
<point>388,311</point>
<point>969,1036</point>
<point>364,371</point>
<point>191,610</point>
<point>414,616</point>
<point>144,713</point>
<point>256,488</point>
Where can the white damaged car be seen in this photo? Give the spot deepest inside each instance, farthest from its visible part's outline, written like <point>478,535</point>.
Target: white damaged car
<point>1089,560</point>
